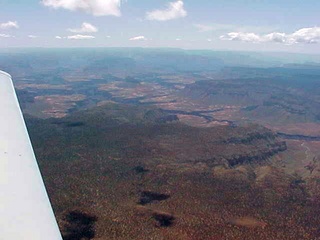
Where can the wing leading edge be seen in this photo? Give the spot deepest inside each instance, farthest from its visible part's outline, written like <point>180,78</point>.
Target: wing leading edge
<point>25,210</point>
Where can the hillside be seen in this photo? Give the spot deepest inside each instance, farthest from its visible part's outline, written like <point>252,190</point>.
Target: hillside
<point>127,172</point>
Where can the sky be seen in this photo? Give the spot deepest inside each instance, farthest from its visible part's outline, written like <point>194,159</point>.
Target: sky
<point>239,25</point>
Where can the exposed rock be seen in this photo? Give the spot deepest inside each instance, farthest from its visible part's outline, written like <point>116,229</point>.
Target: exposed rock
<point>167,119</point>
<point>268,135</point>
<point>257,155</point>
<point>240,173</point>
<point>248,222</point>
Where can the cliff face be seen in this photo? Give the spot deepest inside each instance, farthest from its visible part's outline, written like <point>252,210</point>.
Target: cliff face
<point>260,98</point>
<point>266,142</point>
<point>228,146</point>
<point>147,134</point>
<point>258,155</point>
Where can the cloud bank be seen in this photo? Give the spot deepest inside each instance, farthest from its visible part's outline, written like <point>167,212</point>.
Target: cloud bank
<point>80,37</point>
<point>9,25</point>
<point>139,38</point>
<point>94,7</point>
<point>85,28</point>
<point>5,36</point>
<point>174,10</point>
<point>304,35</point>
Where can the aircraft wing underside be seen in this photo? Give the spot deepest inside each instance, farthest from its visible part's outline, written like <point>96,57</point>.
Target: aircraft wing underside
<point>25,210</point>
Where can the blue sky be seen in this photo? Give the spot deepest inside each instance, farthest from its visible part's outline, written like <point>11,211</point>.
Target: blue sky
<point>256,25</point>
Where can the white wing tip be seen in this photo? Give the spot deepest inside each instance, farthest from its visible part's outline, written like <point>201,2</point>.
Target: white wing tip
<point>6,74</point>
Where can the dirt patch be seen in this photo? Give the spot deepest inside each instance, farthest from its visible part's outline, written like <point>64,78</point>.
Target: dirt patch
<point>248,222</point>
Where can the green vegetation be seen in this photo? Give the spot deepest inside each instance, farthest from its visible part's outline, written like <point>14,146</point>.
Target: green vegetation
<point>130,172</point>
<point>164,143</point>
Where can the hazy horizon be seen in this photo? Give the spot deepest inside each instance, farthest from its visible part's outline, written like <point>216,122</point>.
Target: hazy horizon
<point>243,25</point>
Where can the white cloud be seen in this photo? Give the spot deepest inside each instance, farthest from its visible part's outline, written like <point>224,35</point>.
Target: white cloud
<point>94,7</point>
<point>139,38</point>
<point>240,36</point>
<point>32,36</point>
<point>85,28</point>
<point>275,37</point>
<point>58,37</point>
<point>174,10</point>
<point>178,39</point>
<point>209,40</point>
<point>80,37</point>
<point>5,36</point>
<point>9,25</point>
<point>304,35</point>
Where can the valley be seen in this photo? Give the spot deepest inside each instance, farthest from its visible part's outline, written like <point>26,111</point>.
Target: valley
<point>174,144</point>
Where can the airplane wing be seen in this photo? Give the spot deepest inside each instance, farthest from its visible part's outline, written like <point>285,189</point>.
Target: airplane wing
<point>25,210</point>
